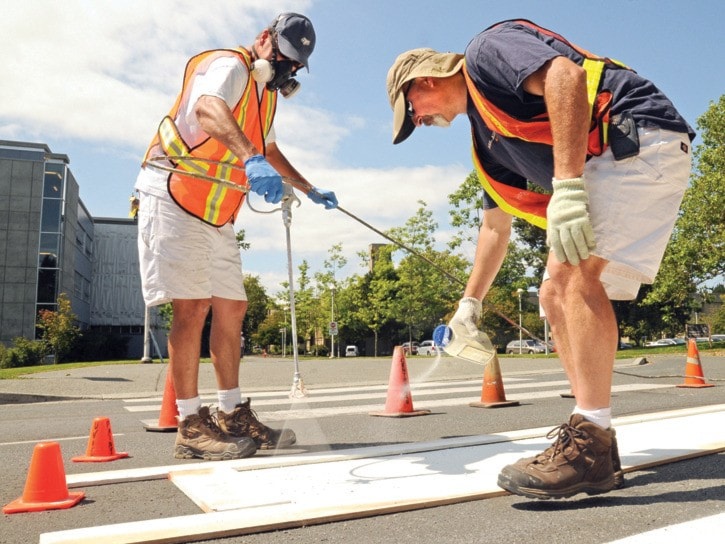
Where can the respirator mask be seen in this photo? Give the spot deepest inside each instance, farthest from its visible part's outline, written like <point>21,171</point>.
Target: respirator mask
<point>277,74</point>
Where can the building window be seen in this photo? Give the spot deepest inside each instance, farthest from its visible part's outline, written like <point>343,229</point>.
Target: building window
<point>51,234</point>
<point>47,286</point>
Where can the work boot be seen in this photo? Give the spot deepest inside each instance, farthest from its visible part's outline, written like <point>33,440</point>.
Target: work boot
<point>579,460</point>
<point>616,463</point>
<point>243,422</point>
<point>199,436</point>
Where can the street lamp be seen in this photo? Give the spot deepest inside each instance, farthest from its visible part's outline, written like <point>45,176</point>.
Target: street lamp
<point>519,292</point>
<point>332,321</point>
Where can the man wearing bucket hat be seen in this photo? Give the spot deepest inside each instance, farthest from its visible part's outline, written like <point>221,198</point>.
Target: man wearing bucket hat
<point>612,156</point>
<point>188,250</point>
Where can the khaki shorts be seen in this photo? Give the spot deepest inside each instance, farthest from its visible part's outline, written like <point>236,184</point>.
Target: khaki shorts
<point>182,257</point>
<point>633,205</point>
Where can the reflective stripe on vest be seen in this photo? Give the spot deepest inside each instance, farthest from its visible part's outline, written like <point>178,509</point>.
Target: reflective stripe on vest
<point>522,203</point>
<point>210,202</point>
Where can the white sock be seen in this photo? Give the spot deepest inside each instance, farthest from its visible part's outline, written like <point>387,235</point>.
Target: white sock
<point>601,416</point>
<point>229,398</point>
<point>188,407</point>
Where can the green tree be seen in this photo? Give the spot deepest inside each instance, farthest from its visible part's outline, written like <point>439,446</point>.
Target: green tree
<point>425,294</point>
<point>59,328</point>
<point>327,282</point>
<point>373,297</point>
<point>241,243</point>
<point>257,307</point>
<point>696,252</point>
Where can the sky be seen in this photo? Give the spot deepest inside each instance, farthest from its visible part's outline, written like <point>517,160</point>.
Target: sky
<point>93,78</point>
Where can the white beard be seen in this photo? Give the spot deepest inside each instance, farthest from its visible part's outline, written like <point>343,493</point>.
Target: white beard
<point>438,120</point>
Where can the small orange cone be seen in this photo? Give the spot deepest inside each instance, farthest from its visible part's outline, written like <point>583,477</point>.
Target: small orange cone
<point>45,487</point>
<point>100,444</point>
<point>399,402</point>
<point>167,418</point>
<point>693,368</point>
<point>492,393</point>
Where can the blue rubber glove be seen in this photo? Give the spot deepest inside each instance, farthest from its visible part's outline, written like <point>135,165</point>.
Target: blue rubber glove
<point>326,198</point>
<point>569,231</point>
<point>263,179</point>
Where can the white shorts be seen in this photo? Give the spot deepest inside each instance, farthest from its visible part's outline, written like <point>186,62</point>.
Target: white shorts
<point>633,205</point>
<point>182,257</point>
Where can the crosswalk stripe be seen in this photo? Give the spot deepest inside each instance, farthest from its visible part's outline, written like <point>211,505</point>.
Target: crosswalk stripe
<point>302,408</point>
<point>327,390</point>
<point>324,395</point>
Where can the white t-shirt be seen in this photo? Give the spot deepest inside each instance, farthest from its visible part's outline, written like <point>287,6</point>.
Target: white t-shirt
<point>226,78</point>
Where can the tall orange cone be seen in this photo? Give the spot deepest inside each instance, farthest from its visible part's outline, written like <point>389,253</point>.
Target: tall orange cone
<point>399,402</point>
<point>101,448</point>
<point>492,393</point>
<point>693,368</point>
<point>167,418</point>
<point>45,487</point>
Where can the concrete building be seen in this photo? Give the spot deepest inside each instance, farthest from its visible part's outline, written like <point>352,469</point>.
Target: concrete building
<point>51,244</point>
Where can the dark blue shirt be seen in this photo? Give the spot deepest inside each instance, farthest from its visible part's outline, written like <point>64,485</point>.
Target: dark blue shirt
<point>500,58</point>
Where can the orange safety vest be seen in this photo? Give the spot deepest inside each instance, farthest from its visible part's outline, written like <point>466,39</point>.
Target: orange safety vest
<point>211,202</point>
<point>522,203</point>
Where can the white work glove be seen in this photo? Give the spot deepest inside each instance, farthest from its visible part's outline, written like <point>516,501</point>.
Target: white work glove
<point>468,314</point>
<point>569,232</point>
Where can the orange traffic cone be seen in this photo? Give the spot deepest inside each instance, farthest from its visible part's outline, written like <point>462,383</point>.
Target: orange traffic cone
<point>399,402</point>
<point>100,444</point>
<point>492,393</point>
<point>167,418</point>
<point>693,368</point>
<point>45,487</point>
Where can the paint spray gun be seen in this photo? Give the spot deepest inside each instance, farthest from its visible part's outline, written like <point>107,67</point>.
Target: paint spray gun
<point>458,342</point>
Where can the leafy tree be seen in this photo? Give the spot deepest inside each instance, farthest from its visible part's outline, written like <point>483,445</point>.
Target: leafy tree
<point>696,253</point>
<point>425,293</point>
<point>241,244</point>
<point>257,306</point>
<point>59,328</point>
<point>466,211</point>
<point>326,282</point>
<point>373,297</point>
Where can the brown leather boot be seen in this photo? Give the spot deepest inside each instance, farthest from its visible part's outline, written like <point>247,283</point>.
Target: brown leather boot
<point>243,422</point>
<point>199,436</point>
<point>579,461</point>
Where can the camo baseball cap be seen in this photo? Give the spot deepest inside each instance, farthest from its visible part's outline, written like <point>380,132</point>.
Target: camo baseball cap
<point>415,63</point>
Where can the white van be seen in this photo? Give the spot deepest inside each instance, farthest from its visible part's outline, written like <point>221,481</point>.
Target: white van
<point>351,351</point>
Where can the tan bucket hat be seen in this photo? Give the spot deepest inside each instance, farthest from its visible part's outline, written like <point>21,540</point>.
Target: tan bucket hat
<point>421,62</point>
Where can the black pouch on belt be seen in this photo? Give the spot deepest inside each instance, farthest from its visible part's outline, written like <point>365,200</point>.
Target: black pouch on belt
<point>623,137</point>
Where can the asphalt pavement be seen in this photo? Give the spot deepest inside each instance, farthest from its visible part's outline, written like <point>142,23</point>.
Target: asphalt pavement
<point>59,405</point>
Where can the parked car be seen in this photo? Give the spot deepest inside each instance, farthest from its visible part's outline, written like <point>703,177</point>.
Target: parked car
<point>428,347</point>
<point>351,351</point>
<point>410,350</point>
<point>527,346</point>
<point>714,337</point>
<point>665,342</point>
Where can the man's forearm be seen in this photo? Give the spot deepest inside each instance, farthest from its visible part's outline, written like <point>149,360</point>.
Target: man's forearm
<point>216,119</point>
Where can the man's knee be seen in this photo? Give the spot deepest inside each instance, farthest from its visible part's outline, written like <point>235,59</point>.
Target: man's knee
<point>563,277</point>
<point>190,311</point>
